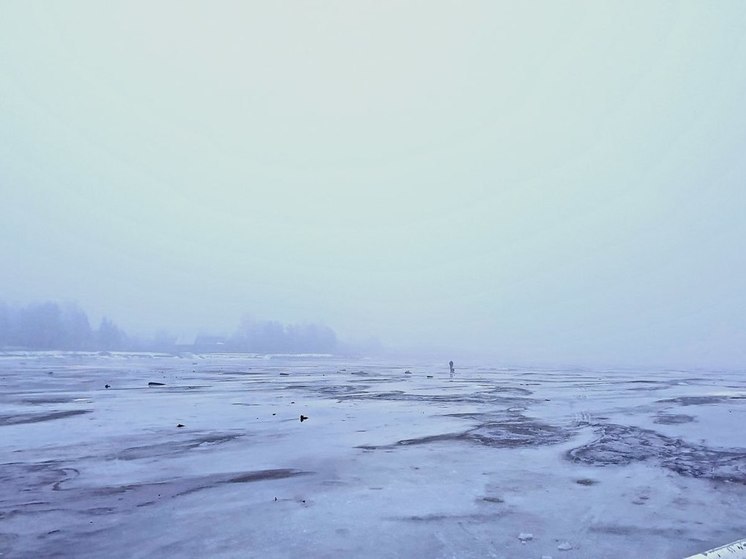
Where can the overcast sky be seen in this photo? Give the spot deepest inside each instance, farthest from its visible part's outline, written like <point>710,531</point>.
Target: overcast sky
<point>541,181</point>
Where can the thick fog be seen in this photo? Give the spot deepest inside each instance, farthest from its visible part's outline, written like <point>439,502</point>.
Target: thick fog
<point>544,183</point>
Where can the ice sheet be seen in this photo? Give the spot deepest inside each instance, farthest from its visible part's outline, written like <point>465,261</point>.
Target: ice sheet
<point>390,463</point>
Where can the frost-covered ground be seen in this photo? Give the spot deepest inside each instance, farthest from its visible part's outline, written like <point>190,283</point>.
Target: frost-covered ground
<point>589,464</point>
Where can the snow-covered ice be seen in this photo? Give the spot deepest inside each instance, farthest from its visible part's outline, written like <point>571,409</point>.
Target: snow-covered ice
<point>388,464</point>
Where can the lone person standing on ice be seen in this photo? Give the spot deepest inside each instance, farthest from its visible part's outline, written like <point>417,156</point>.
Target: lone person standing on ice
<point>450,364</point>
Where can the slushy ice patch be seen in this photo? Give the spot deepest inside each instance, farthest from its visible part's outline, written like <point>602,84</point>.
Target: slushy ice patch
<point>621,444</point>
<point>513,432</point>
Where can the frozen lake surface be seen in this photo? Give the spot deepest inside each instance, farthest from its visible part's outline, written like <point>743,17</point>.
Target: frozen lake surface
<point>394,460</point>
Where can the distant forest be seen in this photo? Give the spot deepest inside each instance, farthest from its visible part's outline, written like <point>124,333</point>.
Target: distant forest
<point>51,326</point>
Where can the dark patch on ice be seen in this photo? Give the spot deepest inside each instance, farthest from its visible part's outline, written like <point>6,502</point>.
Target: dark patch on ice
<point>20,418</point>
<point>481,417</point>
<point>100,511</point>
<point>43,488</point>
<point>586,481</point>
<point>383,380</point>
<point>649,385</point>
<point>32,477</point>
<point>48,400</point>
<point>451,517</point>
<point>432,439</point>
<point>673,418</point>
<point>496,500</point>
<point>519,431</point>
<point>699,400</point>
<point>509,390</point>
<point>494,397</point>
<point>621,445</point>
<point>264,475</point>
<point>142,493</point>
<point>636,531</point>
<point>341,389</point>
<point>510,433</point>
<point>173,446</point>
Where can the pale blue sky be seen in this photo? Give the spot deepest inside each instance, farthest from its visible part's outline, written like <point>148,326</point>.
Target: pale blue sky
<point>543,181</point>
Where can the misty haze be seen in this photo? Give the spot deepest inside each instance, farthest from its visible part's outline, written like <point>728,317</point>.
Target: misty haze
<point>364,279</point>
<point>50,326</point>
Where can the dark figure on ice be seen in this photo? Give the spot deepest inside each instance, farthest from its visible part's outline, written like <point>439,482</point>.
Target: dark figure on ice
<point>450,364</point>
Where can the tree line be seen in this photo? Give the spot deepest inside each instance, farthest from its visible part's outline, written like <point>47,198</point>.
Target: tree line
<point>53,326</point>
<point>275,337</point>
<point>49,325</point>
